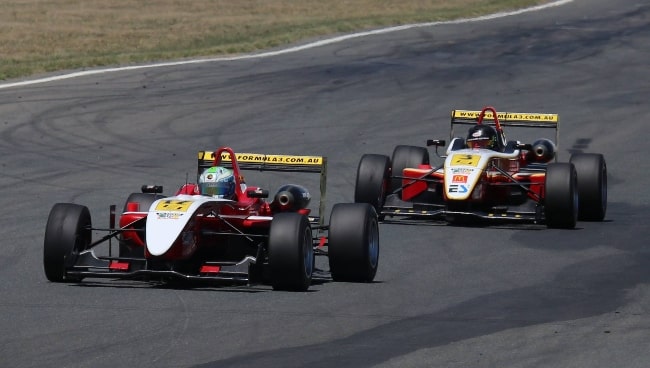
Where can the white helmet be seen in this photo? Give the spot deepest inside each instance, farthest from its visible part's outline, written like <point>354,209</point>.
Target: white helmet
<point>217,182</point>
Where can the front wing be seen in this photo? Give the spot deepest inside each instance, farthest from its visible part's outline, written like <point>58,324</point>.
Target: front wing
<point>88,264</point>
<point>395,209</point>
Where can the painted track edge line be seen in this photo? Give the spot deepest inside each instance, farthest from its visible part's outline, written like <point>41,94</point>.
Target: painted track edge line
<point>293,49</point>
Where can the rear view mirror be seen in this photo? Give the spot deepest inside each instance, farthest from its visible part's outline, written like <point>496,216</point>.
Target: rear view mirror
<point>257,193</point>
<point>436,142</point>
<point>151,189</point>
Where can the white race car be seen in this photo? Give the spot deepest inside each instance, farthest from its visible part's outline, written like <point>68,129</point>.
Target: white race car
<point>486,178</point>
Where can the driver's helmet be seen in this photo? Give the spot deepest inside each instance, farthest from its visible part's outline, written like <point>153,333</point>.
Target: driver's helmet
<point>482,136</point>
<point>217,181</point>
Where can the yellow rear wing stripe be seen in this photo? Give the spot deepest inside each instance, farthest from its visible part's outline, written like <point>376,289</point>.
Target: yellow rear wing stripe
<point>517,119</point>
<point>541,120</point>
<point>261,161</point>
<point>266,162</point>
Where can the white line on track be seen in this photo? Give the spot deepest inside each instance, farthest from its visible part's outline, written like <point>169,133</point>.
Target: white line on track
<point>287,50</point>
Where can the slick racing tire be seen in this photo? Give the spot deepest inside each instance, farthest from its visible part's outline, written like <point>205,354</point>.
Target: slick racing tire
<point>144,201</point>
<point>67,233</point>
<point>353,242</point>
<point>291,252</point>
<point>373,176</point>
<point>592,185</point>
<point>561,198</point>
<point>406,157</point>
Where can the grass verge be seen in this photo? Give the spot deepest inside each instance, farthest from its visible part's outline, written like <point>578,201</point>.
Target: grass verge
<point>39,36</point>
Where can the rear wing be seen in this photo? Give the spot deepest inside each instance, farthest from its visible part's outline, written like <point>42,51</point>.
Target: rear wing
<point>518,119</point>
<point>266,162</point>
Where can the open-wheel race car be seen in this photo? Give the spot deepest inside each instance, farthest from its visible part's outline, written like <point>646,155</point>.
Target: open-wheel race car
<point>486,178</point>
<point>218,229</point>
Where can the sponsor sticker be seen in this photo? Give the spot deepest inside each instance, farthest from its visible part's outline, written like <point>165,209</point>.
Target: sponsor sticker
<point>168,215</point>
<point>457,188</point>
<point>506,116</point>
<point>275,159</point>
<point>459,179</point>
<point>461,170</point>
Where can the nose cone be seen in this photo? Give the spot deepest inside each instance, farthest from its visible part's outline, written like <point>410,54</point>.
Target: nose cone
<point>166,220</point>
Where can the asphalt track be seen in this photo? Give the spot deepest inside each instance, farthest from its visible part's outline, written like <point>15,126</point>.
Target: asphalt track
<point>444,296</point>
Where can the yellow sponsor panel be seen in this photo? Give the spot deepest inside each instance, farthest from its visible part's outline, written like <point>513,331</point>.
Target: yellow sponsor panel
<point>205,155</point>
<point>257,158</point>
<point>465,160</point>
<point>174,205</point>
<point>507,116</point>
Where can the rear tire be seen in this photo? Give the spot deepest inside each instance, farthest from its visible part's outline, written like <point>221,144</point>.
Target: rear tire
<point>291,252</point>
<point>353,242</point>
<point>406,157</point>
<point>67,233</point>
<point>144,201</point>
<point>373,175</point>
<point>592,185</point>
<point>561,196</point>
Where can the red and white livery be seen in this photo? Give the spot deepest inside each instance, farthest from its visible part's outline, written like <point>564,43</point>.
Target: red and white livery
<point>243,239</point>
<point>509,182</point>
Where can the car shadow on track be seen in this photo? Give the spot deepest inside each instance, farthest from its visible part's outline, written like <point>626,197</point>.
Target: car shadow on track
<point>320,277</point>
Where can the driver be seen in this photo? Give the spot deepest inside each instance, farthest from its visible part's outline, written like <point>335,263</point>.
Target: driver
<point>482,136</point>
<point>218,182</point>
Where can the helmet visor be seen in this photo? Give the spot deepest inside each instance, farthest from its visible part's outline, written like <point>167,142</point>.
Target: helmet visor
<point>217,188</point>
<point>480,143</point>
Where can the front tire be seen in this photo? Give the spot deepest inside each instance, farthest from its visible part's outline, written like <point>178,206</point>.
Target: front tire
<point>406,157</point>
<point>372,185</point>
<point>561,196</point>
<point>592,185</point>
<point>291,252</point>
<point>67,233</point>
<point>353,242</point>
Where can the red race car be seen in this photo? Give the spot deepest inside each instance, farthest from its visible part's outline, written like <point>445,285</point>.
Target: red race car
<point>219,229</point>
<point>486,178</point>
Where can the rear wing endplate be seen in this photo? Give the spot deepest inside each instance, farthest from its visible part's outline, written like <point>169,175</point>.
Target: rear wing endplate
<point>518,119</point>
<point>266,162</point>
